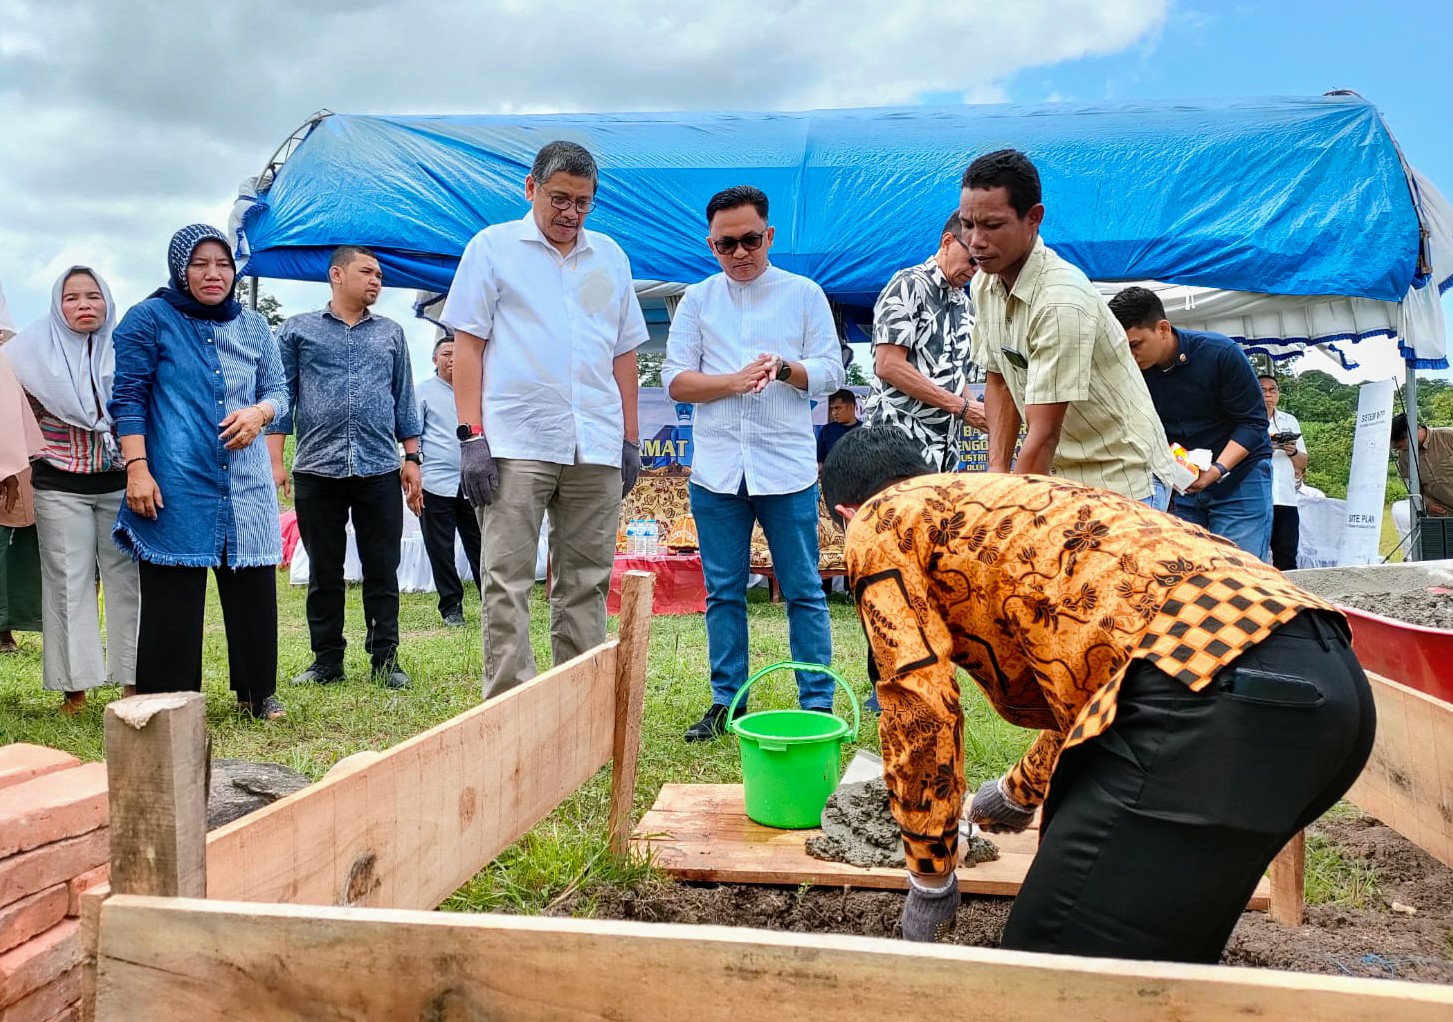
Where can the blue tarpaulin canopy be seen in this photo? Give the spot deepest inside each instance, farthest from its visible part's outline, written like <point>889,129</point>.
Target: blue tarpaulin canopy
<point>1275,196</point>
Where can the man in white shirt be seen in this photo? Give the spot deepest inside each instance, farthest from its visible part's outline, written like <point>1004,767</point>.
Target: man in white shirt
<point>446,510</point>
<point>751,347</point>
<point>1288,465</point>
<point>546,326</point>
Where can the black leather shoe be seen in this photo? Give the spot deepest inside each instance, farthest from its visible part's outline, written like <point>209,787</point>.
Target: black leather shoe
<point>267,709</point>
<point>391,676</point>
<point>454,619</point>
<point>713,725</point>
<point>319,675</point>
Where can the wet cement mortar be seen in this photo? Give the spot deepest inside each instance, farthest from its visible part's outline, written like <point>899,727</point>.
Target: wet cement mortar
<point>1372,941</point>
<point>1406,592</point>
<point>858,828</point>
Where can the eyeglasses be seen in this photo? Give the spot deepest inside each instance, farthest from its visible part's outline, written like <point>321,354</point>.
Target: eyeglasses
<point>749,242</point>
<point>565,202</point>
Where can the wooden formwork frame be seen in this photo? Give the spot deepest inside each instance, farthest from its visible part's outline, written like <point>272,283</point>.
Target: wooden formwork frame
<point>163,952</point>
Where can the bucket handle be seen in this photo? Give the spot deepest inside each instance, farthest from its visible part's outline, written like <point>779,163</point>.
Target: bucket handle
<point>793,665</point>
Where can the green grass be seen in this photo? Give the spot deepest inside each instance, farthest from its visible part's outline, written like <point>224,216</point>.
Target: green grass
<point>1333,878</point>
<point>564,854</point>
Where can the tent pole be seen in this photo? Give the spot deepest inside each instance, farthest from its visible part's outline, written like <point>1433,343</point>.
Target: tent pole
<point>252,294</point>
<point>1414,489</point>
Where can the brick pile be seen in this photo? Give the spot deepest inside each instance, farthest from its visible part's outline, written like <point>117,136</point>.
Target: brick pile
<point>53,848</point>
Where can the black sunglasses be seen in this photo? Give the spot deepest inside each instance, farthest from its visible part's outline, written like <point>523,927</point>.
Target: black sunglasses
<point>749,242</point>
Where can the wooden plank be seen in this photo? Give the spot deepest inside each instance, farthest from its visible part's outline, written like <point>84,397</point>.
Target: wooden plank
<point>700,832</point>
<point>1408,781</point>
<point>1289,882</point>
<point>630,697</point>
<point>90,937</point>
<point>408,829</point>
<point>156,769</point>
<point>173,960</point>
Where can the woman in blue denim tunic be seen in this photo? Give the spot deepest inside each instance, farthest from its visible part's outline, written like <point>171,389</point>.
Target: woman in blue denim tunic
<point>198,377</point>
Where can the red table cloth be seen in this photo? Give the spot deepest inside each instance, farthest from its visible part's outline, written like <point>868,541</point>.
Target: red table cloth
<point>680,586</point>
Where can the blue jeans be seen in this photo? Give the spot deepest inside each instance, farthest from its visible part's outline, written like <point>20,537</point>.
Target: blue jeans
<point>724,530</point>
<point>1241,512</point>
<point>1159,495</point>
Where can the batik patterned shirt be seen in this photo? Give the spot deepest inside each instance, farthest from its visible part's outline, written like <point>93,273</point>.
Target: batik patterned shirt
<point>922,312</point>
<point>1044,591</point>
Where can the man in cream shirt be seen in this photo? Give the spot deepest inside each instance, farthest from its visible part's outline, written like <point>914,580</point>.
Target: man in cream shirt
<point>751,347</point>
<point>546,326</point>
<point>1056,359</point>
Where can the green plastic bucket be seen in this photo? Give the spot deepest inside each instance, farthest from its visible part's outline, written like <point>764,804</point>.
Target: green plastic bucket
<point>791,759</point>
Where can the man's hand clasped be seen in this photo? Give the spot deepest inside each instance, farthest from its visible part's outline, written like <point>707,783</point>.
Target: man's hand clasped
<point>478,474</point>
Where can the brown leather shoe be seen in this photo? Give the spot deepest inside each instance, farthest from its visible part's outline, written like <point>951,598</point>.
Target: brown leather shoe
<point>74,703</point>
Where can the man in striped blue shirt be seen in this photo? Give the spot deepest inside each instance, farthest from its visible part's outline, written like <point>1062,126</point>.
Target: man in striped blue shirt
<point>751,347</point>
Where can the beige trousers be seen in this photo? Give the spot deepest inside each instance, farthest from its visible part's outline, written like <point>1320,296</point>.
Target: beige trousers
<point>75,541</point>
<point>584,502</point>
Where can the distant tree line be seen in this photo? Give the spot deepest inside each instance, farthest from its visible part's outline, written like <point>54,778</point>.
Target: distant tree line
<point>1327,411</point>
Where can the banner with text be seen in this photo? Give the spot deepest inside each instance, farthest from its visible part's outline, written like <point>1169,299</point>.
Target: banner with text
<point>1367,481</point>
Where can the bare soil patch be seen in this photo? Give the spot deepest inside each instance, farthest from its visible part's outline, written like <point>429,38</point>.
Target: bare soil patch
<point>1372,941</point>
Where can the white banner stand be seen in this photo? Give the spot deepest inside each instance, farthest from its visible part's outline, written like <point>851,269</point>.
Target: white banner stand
<point>1367,481</point>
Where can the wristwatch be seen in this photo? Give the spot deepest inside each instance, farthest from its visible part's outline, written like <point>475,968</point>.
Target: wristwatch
<point>417,457</point>
<point>1220,468</point>
<point>784,372</point>
<point>468,431</point>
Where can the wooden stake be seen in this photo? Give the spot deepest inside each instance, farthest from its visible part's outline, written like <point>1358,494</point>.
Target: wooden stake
<point>635,637</point>
<point>156,768</point>
<point>1288,881</point>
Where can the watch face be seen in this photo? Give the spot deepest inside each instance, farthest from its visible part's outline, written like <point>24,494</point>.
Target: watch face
<point>784,371</point>
<point>464,432</point>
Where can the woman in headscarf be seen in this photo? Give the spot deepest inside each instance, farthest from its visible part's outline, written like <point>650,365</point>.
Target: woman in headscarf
<point>19,561</point>
<point>197,379</point>
<point>66,363</point>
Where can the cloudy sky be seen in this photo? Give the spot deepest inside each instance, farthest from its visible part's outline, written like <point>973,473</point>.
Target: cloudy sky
<point>125,120</point>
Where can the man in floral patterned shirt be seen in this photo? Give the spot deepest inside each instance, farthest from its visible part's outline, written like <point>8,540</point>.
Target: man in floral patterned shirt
<point>1195,708</point>
<point>921,332</point>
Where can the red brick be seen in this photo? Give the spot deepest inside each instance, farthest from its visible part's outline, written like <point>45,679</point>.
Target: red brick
<point>23,919</point>
<point>52,807</point>
<point>45,959</point>
<point>83,883</point>
<point>58,999</point>
<point>24,874</point>
<point>20,762</point>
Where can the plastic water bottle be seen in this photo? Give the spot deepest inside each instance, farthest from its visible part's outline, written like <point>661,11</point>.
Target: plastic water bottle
<point>653,538</point>
<point>633,537</point>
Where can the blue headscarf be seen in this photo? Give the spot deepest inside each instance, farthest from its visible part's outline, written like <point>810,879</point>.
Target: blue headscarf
<point>176,294</point>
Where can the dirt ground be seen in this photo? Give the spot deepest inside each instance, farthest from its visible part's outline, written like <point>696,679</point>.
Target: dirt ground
<point>1372,941</point>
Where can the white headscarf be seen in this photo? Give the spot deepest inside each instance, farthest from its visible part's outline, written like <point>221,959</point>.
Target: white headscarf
<point>50,360</point>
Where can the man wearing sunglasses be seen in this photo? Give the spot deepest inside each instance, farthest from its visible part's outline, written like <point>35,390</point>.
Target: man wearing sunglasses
<point>921,335</point>
<point>751,347</point>
<point>546,326</point>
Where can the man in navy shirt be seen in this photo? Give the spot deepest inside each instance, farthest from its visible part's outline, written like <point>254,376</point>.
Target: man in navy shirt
<point>351,401</point>
<point>842,415</point>
<point>1207,396</point>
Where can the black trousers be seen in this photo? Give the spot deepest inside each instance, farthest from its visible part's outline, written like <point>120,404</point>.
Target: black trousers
<point>443,517</point>
<point>169,636</point>
<point>376,506</point>
<point>1155,832</point>
<point>1286,533</point>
